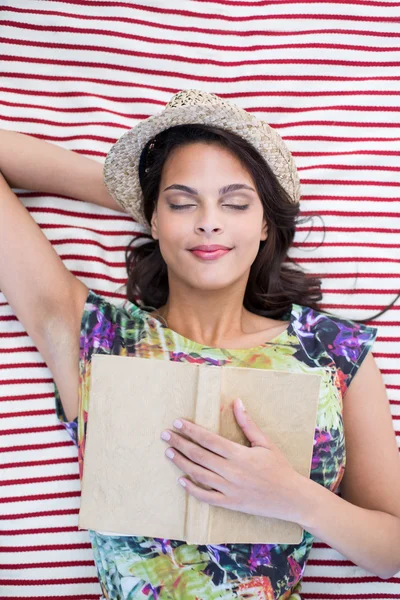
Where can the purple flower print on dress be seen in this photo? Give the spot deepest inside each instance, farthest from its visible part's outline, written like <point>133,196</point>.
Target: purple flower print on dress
<point>349,341</point>
<point>149,588</point>
<point>322,443</point>
<point>305,329</point>
<point>215,550</point>
<point>72,429</point>
<point>260,555</point>
<point>102,334</point>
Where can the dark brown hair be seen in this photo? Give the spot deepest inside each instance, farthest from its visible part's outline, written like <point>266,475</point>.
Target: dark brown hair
<point>275,279</point>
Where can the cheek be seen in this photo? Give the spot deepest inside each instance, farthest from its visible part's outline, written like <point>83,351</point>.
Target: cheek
<point>172,242</point>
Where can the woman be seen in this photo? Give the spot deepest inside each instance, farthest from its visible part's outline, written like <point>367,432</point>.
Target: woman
<point>203,185</point>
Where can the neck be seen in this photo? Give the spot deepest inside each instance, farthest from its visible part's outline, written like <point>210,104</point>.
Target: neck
<point>210,318</point>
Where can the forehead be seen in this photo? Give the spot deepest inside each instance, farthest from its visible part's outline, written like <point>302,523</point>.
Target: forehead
<point>198,158</point>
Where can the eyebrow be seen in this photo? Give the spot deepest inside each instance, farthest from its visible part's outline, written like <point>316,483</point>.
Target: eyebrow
<point>233,187</point>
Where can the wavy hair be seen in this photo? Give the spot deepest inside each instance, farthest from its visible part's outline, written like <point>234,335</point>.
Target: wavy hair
<point>275,279</point>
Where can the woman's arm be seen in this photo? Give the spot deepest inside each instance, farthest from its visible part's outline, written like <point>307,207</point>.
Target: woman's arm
<point>363,525</point>
<point>30,163</point>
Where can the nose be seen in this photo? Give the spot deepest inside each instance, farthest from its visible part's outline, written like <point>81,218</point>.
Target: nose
<point>207,222</point>
<point>207,229</point>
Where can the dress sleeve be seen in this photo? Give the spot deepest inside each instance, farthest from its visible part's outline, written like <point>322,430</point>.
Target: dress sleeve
<point>97,335</point>
<point>349,345</point>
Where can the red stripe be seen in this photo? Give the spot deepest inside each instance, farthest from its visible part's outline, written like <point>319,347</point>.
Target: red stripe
<point>22,365</point>
<point>351,182</point>
<point>45,530</point>
<point>37,446</point>
<point>348,199</point>
<point>350,229</point>
<point>205,16</point>
<point>352,596</point>
<point>82,596</point>
<point>90,243</point>
<point>120,280</point>
<point>270,109</point>
<point>26,397</point>
<point>86,257</point>
<point>353,259</point>
<point>359,579</point>
<point>108,232</point>
<point>329,563</point>
<point>358,291</point>
<point>149,100</point>
<point>83,215</point>
<point>20,349</point>
<point>27,413</point>
<point>40,497</point>
<point>71,477</point>
<point>103,81</point>
<point>32,430</point>
<point>46,548</point>
<point>325,123</point>
<point>29,380</point>
<point>173,42</point>
<point>13,334</point>
<point>179,58</point>
<point>346,244</point>
<point>49,581</point>
<point>345,153</point>
<point>5,318</point>
<point>219,32</point>
<point>180,43</point>
<point>351,167</point>
<point>268,3</point>
<point>331,138</point>
<point>166,73</point>
<point>42,565</point>
<point>37,463</point>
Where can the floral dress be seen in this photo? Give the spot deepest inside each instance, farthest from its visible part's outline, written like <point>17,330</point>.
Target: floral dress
<point>131,567</point>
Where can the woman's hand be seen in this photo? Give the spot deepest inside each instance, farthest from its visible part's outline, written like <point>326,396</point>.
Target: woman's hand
<point>257,480</point>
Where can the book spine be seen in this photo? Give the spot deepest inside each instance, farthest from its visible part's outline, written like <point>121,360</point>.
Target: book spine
<point>207,409</point>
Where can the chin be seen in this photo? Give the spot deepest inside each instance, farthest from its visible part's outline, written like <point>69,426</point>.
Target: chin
<point>212,284</point>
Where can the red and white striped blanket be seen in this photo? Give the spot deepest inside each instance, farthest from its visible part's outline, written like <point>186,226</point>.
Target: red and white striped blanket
<point>80,73</point>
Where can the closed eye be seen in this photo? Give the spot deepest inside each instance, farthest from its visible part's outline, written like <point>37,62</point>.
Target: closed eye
<point>181,206</point>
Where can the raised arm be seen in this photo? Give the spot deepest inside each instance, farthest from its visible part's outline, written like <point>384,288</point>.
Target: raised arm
<point>47,298</point>
<point>30,163</point>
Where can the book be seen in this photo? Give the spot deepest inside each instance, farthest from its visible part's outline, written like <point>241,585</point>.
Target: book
<point>129,487</point>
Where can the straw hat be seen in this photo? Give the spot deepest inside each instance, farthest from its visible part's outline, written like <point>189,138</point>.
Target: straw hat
<point>121,167</point>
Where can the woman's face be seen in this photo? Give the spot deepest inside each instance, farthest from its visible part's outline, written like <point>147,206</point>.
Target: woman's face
<point>207,215</point>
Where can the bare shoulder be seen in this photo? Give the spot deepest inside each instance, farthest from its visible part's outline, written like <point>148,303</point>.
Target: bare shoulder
<point>372,475</point>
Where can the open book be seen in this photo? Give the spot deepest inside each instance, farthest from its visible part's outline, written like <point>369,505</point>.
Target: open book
<point>129,487</point>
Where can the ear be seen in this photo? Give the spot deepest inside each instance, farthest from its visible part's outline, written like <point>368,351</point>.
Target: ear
<point>264,233</point>
<point>154,224</point>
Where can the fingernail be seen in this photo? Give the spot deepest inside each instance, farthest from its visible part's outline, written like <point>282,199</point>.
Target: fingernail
<point>165,435</point>
<point>241,405</point>
<point>178,424</point>
<point>170,453</point>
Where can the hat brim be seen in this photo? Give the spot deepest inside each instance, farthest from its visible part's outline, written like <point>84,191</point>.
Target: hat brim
<point>121,166</point>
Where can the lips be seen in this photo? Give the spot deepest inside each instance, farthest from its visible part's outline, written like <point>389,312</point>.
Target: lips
<point>210,255</point>
<point>210,247</point>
